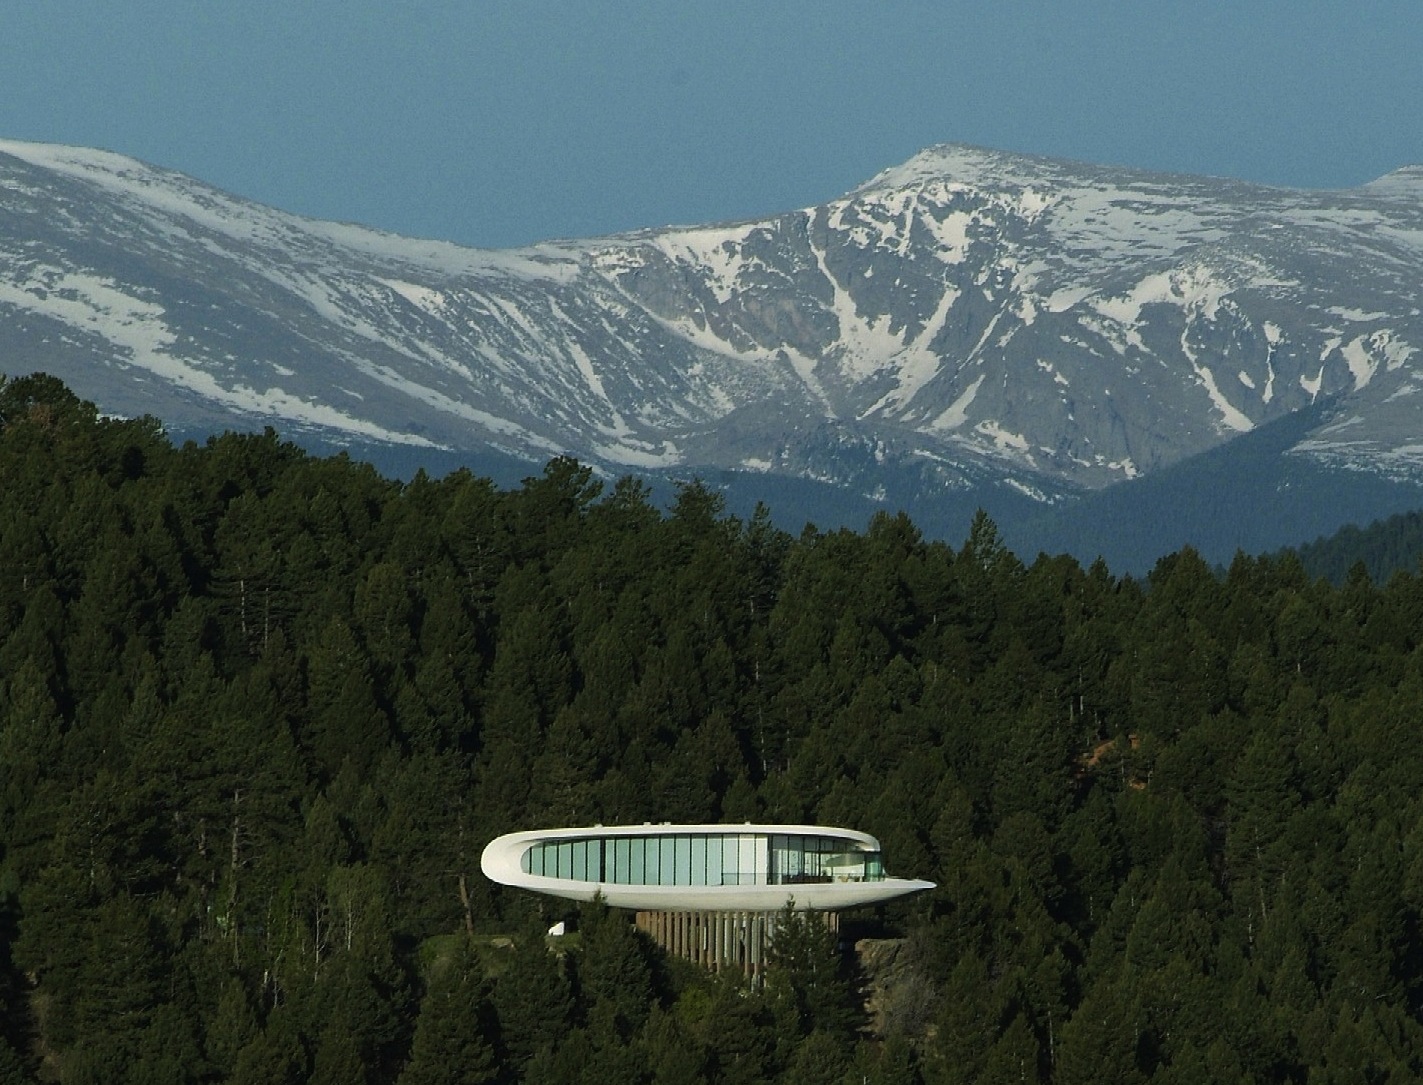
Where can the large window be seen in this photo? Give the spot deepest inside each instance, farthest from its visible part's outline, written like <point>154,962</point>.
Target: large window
<point>714,853</point>
<point>698,861</point>
<point>704,859</point>
<point>798,859</point>
<point>749,872</point>
<point>621,872</point>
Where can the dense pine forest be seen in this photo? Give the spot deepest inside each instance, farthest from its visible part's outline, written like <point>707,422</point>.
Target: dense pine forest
<point>260,712</point>
<point>1383,548</point>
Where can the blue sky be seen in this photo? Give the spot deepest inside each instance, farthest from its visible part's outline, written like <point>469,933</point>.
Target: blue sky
<point>495,123</point>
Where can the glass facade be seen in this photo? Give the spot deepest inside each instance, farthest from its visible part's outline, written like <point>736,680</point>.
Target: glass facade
<point>704,859</point>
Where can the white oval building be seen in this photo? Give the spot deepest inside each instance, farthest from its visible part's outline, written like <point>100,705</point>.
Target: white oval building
<point>694,868</point>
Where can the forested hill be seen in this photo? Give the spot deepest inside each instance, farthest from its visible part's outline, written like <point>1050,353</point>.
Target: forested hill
<point>259,712</point>
<point>1383,548</point>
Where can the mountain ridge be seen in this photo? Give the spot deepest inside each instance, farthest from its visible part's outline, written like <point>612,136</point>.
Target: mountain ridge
<point>969,320</point>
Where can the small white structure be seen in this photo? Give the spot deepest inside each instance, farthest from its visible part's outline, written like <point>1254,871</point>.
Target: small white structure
<point>699,868</point>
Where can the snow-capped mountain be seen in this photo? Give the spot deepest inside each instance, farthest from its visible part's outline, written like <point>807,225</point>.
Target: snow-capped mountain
<point>966,319</point>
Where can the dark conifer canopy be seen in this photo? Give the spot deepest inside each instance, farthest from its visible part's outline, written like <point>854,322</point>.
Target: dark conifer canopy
<point>260,711</point>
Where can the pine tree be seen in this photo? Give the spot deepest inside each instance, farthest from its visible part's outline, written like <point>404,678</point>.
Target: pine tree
<point>338,1059</point>
<point>805,973</point>
<point>451,1045</point>
<point>273,1057</point>
<point>347,723</point>
<point>614,972</point>
<point>819,1059</point>
<point>532,998</point>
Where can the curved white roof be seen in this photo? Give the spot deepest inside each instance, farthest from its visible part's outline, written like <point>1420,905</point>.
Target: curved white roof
<point>502,862</point>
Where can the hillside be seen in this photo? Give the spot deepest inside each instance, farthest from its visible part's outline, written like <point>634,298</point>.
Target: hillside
<point>1382,548</point>
<point>260,710</point>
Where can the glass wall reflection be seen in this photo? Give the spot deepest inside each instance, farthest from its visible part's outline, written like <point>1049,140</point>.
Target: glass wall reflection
<point>704,859</point>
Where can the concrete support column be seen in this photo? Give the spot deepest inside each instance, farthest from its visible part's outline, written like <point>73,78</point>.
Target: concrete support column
<point>719,940</point>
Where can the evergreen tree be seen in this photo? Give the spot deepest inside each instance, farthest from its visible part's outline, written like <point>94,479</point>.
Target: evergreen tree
<point>347,722</point>
<point>451,1046</point>
<point>273,1057</point>
<point>614,974</point>
<point>533,999</point>
<point>805,973</point>
<point>338,1059</point>
<point>232,1028</point>
<point>819,1060</point>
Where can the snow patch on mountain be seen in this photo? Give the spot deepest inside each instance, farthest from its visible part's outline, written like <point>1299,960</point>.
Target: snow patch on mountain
<point>1194,288</point>
<point>101,307</point>
<point>422,297</point>
<point>179,197</point>
<point>865,345</point>
<point>957,413</point>
<point>714,253</point>
<point>917,364</point>
<point>1230,415</point>
<point>1361,363</point>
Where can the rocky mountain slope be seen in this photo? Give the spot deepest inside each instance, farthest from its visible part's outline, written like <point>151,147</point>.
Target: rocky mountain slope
<point>964,323</point>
